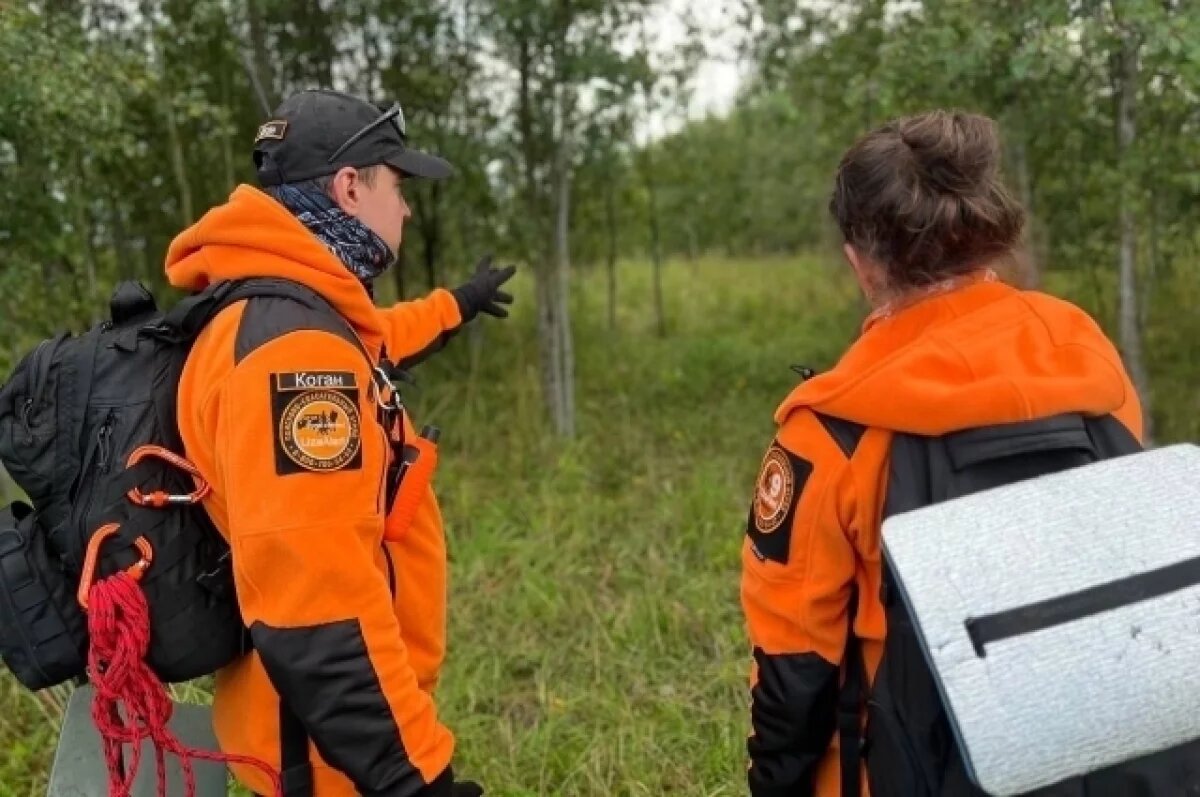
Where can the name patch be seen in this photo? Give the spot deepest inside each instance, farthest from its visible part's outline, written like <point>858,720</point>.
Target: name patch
<point>317,421</point>
<point>311,380</point>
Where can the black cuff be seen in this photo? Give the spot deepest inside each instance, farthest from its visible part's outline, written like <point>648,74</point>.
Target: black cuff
<point>466,307</point>
<point>771,790</point>
<point>442,786</point>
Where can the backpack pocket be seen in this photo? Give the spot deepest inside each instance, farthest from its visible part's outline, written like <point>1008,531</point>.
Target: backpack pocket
<point>43,634</point>
<point>29,421</point>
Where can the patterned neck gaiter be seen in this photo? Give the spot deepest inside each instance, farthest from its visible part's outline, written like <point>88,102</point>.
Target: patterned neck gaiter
<point>354,243</point>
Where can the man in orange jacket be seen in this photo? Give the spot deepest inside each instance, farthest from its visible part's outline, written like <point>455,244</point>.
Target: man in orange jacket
<point>282,410</point>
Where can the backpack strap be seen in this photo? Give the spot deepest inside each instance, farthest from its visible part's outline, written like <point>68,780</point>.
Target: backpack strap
<point>295,768</point>
<point>851,699</point>
<point>977,459</point>
<point>187,318</point>
<point>925,470</point>
<point>1111,438</point>
<point>185,321</point>
<point>851,696</point>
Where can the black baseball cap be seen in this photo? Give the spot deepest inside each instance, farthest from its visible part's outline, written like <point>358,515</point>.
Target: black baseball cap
<point>317,132</point>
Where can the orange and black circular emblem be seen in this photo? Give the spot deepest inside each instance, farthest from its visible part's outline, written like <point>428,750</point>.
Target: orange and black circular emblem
<point>773,495</point>
<point>320,430</point>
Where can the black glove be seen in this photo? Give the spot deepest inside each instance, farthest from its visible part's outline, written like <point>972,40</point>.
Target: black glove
<point>446,786</point>
<point>482,294</point>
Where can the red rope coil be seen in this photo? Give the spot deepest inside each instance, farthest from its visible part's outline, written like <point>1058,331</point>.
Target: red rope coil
<point>130,703</point>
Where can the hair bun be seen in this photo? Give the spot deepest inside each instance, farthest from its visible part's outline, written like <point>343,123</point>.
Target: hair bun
<point>955,153</point>
<point>923,196</point>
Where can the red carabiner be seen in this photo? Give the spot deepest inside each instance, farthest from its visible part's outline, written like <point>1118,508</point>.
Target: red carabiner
<point>159,498</point>
<point>134,571</point>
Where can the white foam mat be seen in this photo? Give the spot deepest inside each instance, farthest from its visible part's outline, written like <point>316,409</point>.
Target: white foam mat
<point>1083,693</point>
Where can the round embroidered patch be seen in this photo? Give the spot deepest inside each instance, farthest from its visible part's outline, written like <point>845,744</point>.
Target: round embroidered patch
<point>320,430</point>
<point>773,495</point>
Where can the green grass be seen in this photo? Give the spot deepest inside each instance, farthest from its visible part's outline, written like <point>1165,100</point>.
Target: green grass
<point>596,641</point>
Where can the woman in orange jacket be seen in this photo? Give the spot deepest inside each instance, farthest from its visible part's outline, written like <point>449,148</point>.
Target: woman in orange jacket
<point>948,346</point>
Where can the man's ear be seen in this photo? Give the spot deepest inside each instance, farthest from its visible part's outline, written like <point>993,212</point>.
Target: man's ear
<point>346,190</point>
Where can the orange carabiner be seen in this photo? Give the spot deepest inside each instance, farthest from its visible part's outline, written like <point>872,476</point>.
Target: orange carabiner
<point>134,571</point>
<point>159,498</point>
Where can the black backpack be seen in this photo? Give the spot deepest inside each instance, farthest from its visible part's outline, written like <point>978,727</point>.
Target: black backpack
<point>908,745</point>
<point>71,414</point>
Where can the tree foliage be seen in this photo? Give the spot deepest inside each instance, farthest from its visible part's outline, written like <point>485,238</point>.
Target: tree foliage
<point>121,122</point>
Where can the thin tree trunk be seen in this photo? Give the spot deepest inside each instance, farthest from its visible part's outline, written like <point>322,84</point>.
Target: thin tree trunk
<point>562,293</point>
<point>370,54</point>
<point>227,139</point>
<point>317,27</point>
<point>151,268</point>
<point>549,343</point>
<point>262,75</point>
<point>610,219</point>
<point>178,164</point>
<point>430,257</point>
<point>529,148</point>
<point>71,275</point>
<point>660,315</point>
<point>120,240</point>
<point>660,319</point>
<point>1031,276</point>
<point>433,266</point>
<point>566,353</point>
<point>92,304</point>
<point>547,331</point>
<point>429,221</point>
<point>166,109</point>
<point>1130,326</point>
<point>548,220</point>
<point>1150,286</point>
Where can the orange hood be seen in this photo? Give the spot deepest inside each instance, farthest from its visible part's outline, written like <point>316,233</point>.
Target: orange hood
<point>252,235</point>
<point>983,354</point>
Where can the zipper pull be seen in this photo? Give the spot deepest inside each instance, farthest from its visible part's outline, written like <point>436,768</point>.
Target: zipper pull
<point>804,371</point>
<point>104,437</point>
<point>26,411</point>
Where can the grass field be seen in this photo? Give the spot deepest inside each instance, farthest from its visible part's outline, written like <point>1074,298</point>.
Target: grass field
<point>597,640</point>
<point>596,644</point>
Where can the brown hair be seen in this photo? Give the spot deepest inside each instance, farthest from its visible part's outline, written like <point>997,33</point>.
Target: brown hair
<point>922,196</point>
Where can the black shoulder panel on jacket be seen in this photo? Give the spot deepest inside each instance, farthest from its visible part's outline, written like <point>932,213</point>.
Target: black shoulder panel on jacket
<point>268,317</point>
<point>847,434</point>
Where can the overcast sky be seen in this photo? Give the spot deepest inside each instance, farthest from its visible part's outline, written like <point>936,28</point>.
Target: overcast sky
<point>717,81</point>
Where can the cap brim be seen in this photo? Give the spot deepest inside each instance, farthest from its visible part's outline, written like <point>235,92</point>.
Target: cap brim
<point>414,163</point>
